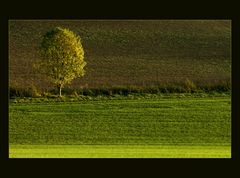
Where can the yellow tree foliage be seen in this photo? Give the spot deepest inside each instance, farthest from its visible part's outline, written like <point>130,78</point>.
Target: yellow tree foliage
<point>62,57</point>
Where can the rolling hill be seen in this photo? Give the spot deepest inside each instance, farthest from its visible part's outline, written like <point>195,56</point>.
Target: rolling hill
<point>130,52</point>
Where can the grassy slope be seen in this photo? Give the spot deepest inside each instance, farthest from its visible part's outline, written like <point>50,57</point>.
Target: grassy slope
<point>199,127</point>
<point>110,151</point>
<point>139,53</point>
<point>178,123</point>
<point>168,121</point>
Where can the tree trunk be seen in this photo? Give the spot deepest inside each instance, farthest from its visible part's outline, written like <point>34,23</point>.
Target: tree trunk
<point>60,91</point>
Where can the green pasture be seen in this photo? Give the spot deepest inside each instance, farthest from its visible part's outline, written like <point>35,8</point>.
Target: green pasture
<point>118,151</point>
<point>167,127</point>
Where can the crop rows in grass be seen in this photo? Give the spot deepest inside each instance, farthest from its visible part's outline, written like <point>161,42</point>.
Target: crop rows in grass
<point>135,122</point>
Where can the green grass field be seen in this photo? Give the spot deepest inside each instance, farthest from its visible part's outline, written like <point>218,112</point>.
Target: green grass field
<point>118,151</point>
<point>160,127</point>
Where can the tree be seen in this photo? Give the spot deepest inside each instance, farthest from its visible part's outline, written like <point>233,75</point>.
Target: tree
<point>62,57</point>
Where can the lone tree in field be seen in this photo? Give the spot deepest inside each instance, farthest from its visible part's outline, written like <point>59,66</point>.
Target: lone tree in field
<point>62,57</point>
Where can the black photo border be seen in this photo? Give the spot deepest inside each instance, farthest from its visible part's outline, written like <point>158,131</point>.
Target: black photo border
<point>123,10</point>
